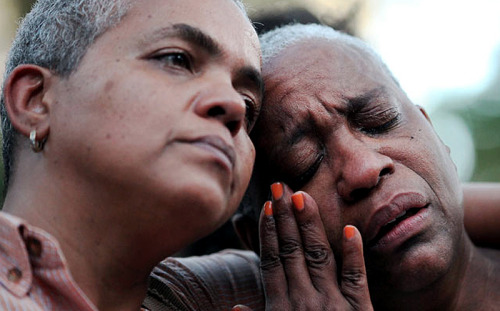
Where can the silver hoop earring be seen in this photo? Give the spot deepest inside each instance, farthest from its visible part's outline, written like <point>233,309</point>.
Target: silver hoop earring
<point>36,145</point>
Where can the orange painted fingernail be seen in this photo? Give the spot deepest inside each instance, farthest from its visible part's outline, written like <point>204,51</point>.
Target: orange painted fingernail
<point>298,201</point>
<point>268,208</point>
<point>236,308</point>
<point>349,232</point>
<point>277,190</point>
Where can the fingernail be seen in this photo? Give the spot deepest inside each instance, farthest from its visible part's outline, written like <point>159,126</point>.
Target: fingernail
<point>236,308</point>
<point>349,232</point>
<point>298,201</point>
<point>277,190</point>
<point>268,208</point>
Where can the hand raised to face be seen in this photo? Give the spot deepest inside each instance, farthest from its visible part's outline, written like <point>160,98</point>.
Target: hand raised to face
<point>298,267</point>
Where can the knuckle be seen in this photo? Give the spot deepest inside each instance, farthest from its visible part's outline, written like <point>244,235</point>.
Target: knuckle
<point>268,225</point>
<point>354,278</point>
<point>308,225</point>
<point>270,262</point>
<point>291,248</point>
<point>318,256</point>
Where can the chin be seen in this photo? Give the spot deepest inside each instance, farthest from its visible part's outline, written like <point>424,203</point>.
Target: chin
<point>194,202</point>
<point>416,270</point>
<point>207,200</point>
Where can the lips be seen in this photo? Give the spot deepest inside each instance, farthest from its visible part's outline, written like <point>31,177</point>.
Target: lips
<point>218,147</point>
<point>394,221</point>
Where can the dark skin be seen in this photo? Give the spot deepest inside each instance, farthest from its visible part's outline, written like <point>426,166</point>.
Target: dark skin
<point>309,270</point>
<point>337,126</point>
<point>481,209</point>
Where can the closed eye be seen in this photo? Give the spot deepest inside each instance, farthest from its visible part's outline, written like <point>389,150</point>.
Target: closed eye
<point>303,178</point>
<point>382,128</point>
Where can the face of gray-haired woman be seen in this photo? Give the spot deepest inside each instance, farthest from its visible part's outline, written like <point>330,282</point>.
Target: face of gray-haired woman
<point>336,125</point>
<point>159,110</point>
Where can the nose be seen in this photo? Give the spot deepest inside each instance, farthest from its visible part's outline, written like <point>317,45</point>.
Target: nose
<point>363,168</point>
<point>223,103</point>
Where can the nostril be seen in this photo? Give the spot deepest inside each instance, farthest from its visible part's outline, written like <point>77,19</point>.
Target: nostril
<point>385,171</point>
<point>233,126</point>
<point>216,111</point>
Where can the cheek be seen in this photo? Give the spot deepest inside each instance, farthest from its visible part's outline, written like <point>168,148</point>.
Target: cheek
<point>428,157</point>
<point>246,160</point>
<point>322,190</point>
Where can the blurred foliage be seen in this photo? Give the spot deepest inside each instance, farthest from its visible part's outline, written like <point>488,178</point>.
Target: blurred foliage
<point>481,112</point>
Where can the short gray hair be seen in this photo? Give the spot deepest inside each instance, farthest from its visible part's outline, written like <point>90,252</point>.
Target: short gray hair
<point>55,35</point>
<point>275,41</point>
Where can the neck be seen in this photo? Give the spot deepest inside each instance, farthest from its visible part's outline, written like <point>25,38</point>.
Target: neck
<point>471,283</point>
<point>108,254</point>
<point>480,286</point>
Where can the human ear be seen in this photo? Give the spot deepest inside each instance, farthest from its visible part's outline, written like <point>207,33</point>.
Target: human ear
<point>422,110</point>
<point>247,230</point>
<point>26,101</point>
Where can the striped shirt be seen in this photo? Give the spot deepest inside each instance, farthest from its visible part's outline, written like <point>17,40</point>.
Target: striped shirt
<point>213,282</point>
<point>34,275</point>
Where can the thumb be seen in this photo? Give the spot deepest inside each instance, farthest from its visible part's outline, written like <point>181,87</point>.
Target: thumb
<point>354,284</point>
<point>241,308</point>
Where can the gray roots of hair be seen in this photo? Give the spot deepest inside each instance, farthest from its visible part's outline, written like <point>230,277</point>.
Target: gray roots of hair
<point>275,41</point>
<point>55,35</point>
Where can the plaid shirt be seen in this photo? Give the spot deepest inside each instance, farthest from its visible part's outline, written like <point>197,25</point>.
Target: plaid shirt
<point>33,272</point>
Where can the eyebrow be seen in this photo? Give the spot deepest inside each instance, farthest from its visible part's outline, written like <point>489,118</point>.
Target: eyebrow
<point>205,42</point>
<point>357,103</point>
<point>354,105</point>
<point>188,33</point>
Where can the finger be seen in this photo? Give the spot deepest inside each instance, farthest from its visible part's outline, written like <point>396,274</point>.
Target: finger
<point>317,251</point>
<point>354,283</point>
<point>273,275</point>
<point>241,308</point>
<point>290,242</point>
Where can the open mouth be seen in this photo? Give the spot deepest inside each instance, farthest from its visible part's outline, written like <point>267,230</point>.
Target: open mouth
<point>389,226</point>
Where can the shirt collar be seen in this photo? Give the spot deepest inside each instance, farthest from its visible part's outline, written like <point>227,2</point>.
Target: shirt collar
<point>22,249</point>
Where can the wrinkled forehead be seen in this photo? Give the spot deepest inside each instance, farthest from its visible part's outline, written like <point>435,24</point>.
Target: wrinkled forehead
<point>319,75</point>
<point>319,70</point>
<point>337,61</point>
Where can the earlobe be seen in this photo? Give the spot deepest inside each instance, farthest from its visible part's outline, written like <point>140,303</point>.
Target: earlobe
<point>25,100</point>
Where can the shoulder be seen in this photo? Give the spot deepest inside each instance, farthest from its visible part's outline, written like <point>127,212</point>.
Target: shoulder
<point>217,281</point>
